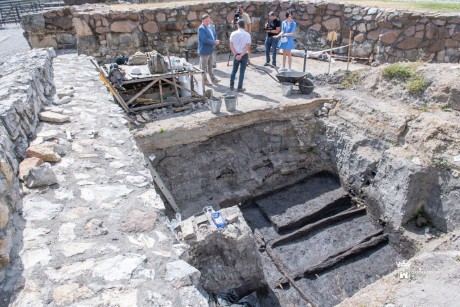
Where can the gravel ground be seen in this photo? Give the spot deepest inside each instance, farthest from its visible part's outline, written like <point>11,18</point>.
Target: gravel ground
<point>11,41</point>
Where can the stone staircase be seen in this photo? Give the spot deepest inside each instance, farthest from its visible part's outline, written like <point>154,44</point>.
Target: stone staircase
<point>317,245</point>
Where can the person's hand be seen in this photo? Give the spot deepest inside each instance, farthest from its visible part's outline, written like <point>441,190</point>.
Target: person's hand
<point>238,57</point>
<point>217,42</point>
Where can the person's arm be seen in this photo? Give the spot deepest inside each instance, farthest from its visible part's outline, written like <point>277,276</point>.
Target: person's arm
<point>292,32</point>
<point>250,27</point>
<point>277,30</point>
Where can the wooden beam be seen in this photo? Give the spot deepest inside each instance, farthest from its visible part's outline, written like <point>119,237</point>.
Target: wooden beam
<point>160,184</point>
<point>142,91</point>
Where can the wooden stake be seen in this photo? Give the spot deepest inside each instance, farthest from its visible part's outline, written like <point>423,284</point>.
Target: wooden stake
<point>330,58</point>
<point>174,77</point>
<point>349,49</point>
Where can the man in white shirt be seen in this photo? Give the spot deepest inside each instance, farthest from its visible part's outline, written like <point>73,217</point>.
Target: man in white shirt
<point>240,42</point>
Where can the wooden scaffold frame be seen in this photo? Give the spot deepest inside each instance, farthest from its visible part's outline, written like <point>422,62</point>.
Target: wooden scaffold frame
<point>168,78</point>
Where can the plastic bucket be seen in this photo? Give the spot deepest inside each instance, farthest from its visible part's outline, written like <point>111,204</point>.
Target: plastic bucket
<point>216,103</point>
<point>286,88</point>
<point>185,82</point>
<point>230,102</point>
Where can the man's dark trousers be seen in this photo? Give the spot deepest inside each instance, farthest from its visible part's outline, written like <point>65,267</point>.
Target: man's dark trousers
<point>236,64</point>
<point>271,42</point>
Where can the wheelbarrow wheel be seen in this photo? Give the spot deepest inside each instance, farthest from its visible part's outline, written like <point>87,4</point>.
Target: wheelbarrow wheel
<point>306,86</point>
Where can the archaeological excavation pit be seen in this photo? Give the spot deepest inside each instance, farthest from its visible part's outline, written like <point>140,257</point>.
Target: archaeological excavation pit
<point>316,242</point>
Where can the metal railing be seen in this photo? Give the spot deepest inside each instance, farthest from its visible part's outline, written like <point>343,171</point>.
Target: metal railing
<point>11,11</point>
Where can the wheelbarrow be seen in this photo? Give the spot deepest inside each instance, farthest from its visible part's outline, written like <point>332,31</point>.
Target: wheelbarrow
<point>302,79</point>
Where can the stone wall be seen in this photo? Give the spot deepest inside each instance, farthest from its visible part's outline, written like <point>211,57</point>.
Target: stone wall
<point>27,80</point>
<point>386,35</point>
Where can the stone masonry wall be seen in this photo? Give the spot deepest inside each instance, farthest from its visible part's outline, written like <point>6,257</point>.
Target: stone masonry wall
<point>27,80</point>
<point>386,35</point>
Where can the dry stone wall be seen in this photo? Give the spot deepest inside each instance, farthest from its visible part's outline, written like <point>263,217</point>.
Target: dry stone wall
<point>384,35</point>
<point>27,80</point>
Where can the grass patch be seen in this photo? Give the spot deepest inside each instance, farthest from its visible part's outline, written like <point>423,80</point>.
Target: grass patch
<point>417,84</point>
<point>440,163</point>
<point>436,6</point>
<point>351,79</point>
<point>399,71</point>
<point>446,108</point>
<point>162,130</point>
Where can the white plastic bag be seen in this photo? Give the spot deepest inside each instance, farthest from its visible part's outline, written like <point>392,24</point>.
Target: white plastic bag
<point>283,40</point>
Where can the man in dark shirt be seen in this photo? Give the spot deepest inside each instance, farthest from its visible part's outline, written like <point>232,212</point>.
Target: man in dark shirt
<point>272,28</point>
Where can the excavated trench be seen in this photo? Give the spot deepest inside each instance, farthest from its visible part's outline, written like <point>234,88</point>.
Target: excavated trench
<point>318,244</point>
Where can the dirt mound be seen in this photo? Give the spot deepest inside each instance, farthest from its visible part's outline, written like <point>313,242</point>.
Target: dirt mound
<point>421,85</point>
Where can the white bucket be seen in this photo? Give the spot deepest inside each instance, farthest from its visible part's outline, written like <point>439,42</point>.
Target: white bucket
<point>216,103</point>
<point>185,82</point>
<point>286,88</point>
<point>230,102</point>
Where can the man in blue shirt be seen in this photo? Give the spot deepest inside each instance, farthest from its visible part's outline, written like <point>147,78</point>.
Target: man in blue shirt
<point>206,43</point>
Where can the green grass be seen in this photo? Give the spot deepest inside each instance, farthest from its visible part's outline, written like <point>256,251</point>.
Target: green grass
<point>440,163</point>
<point>399,71</point>
<point>435,6</point>
<point>457,258</point>
<point>162,130</point>
<point>417,84</point>
<point>446,108</point>
<point>351,79</point>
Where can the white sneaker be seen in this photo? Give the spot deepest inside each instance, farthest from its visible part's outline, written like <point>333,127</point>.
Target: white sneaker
<point>282,69</point>
<point>288,69</point>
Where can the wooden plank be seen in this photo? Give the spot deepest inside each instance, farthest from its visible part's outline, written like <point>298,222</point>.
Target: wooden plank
<point>174,77</point>
<point>152,106</point>
<point>160,184</point>
<point>114,92</point>
<point>142,91</point>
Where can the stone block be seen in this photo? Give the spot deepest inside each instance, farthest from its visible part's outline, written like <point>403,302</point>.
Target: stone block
<point>431,31</point>
<point>410,43</point>
<point>81,27</point>
<point>4,214</point>
<point>187,229</point>
<point>332,24</point>
<point>182,274</point>
<point>69,293</point>
<point>40,176</point>
<point>27,164</point>
<point>359,38</point>
<point>6,170</point>
<point>373,35</point>
<point>139,221</point>
<point>52,117</point>
<point>437,46</point>
<point>126,26</point>
<point>45,151</point>
<point>150,27</point>
<point>389,36</point>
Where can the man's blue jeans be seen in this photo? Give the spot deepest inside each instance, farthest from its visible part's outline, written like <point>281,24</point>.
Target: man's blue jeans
<point>271,42</point>
<point>236,65</point>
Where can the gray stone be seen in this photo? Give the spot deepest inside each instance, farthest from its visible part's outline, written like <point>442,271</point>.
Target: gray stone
<point>119,267</point>
<point>182,274</point>
<point>63,100</point>
<point>191,296</point>
<point>38,208</point>
<point>139,221</point>
<point>52,117</point>
<point>40,176</point>
<point>96,227</point>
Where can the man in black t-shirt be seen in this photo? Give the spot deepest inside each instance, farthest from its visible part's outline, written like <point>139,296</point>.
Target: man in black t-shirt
<point>272,28</point>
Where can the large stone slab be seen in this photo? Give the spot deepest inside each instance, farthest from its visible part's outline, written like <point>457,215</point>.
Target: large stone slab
<point>182,274</point>
<point>120,267</point>
<point>53,117</point>
<point>38,208</point>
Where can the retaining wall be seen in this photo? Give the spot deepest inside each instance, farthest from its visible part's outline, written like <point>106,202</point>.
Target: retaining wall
<point>384,35</point>
<point>27,80</point>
